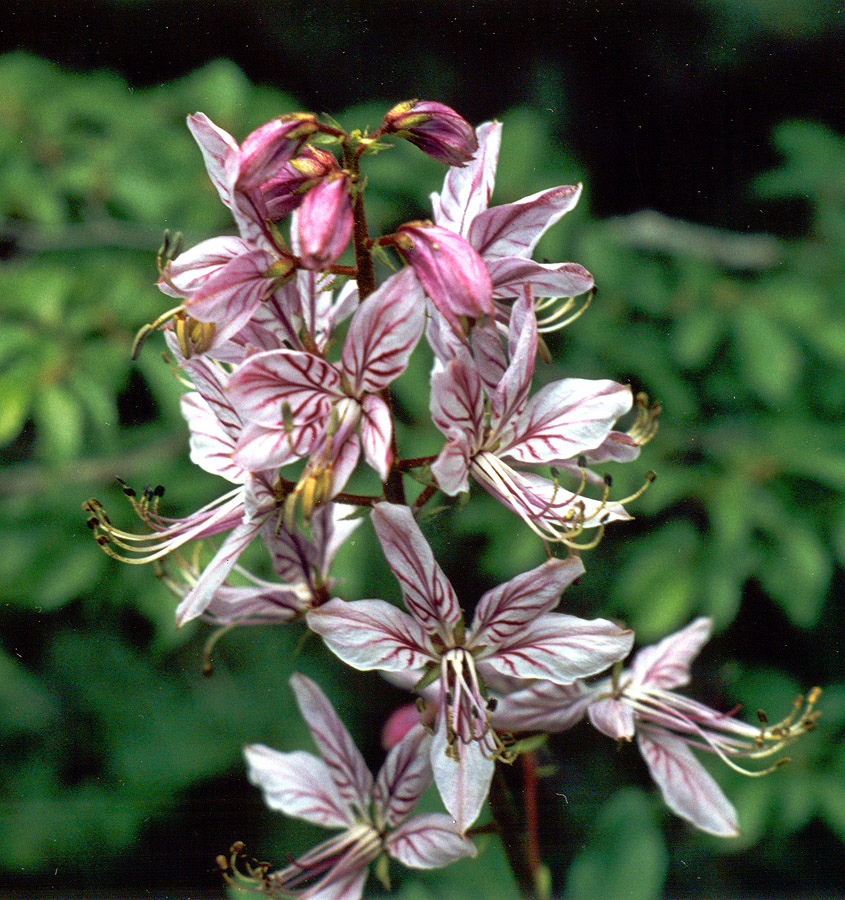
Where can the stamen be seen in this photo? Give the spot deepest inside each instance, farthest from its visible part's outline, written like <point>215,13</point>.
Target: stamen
<point>646,424</point>
<point>558,318</point>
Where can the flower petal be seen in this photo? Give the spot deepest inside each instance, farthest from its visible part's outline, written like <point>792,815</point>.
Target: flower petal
<point>463,782</point>
<point>513,229</point>
<point>503,612</point>
<point>567,418</point>
<point>687,787</point>
<point>383,333</point>
<point>466,191</point>
<point>217,146</point>
<point>403,778</point>
<point>297,784</point>
<point>371,634</point>
<point>457,399</point>
<point>428,842</point>
<point>511,274</point>
<point>542,706</point>
<point>613,718</point>
<point>666,665</point>
<point>211,445</point>
<point>561,648</point>
<point>348,770</point>
<point>376,431</point>
<point>427,592</point>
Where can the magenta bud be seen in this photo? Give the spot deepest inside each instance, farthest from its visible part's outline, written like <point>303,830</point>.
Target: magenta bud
<point>270,146</point>
<point>435,128</point>
<point>450,270</point>
<point>324,223</point>
<point>286,191</point>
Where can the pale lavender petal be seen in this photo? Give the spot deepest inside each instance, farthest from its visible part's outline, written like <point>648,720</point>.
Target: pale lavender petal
<point>193,268</point>
<point>428,842</point>
<point>613,718</point>
<point>464,782</point>
<point>348,770</point>
<point>341,884</point>
<point>687,787</point>
<point>331,525</point>
<point>383,333</point>
<point>210,381</point>
<point>567,418</point>
<point>466,191</point>
<point>371,634</point>
<point>265,604</point>
<point>513,229</point>
<point>293,556</point>
<point>561,648</point>
<point>211,445</point>
<point>216,572</point>
<point>457,399</point>
<point>511,394</point>
<point>261,448</point>
<point>403,778</point>
<point>444,341</point>
<point>511,273</point>
<point>488,353</point>
<point>376,432</point>
<point>503,612</point>
<point>542,706</point>
<point>666,665</point>
<point>217,146</point>
<point>297,784</point>
<point>304,382</point>
<point>451,468</point>
<point>427,592</point>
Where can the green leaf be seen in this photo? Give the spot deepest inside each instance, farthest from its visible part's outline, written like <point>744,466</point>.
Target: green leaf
<point>625,854</point>
<point>766,355</point>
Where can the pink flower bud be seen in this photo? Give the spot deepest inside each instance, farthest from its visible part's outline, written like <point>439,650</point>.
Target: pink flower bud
<point>452,273</point>
<point>436,129</point>
<point>270,146</point>
<point>324,223</point>
<point>284,193</point>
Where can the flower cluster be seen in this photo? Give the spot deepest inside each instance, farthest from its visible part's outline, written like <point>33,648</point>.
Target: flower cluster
<point>288,346</point>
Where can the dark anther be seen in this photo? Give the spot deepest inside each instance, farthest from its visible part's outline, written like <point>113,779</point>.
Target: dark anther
<point>492,703</point>
<point>159,490</point>
<point>92,522</point>
<point>582,462</point>
<point>608,480</point>
<point>764,719</point>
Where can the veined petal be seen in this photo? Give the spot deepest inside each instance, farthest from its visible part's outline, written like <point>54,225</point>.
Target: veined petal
<point>512,273</point>
<point>331,525</point>
<point>403,778</point>
<point>560,648</point>
<point>511,394</point>
<point>383,333</point>
<point>457,399</point>
<point>305,383</point>
<point>376,432</point>
<point>427,592</point>
<point>264,604</point>
<point>466,191</point>
<point>428,842</point>
<point>542,706</point>
<point>293,556</point>
<point>513,229</point>
<point>666,664</point>
<point>687,787</point>
<point>348,770</point>
<point>211,446</point>
<point>193,268</point>
<point>371,634</point>
<point>613,718</point>
<point>261,448</point>
<point>217,146</point>
<point>297,784</point>
<point>463,782</point>
<point>451,468</point>
<point>503,612</point>
<point>566,418</point>
<point>216,572</point>
<point>230,296</point>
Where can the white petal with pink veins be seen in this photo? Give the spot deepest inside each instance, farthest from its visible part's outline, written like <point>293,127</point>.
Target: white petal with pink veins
<point>666,664</point>
<point>403,778</point>
<point>297,784</point>
<point>510,274</point>
<point>371,634</point>
<point>428,842</point>
<point>687,787</point>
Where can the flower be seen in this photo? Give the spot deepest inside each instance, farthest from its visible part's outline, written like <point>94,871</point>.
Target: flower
<point>505,236</point>
<point>640,702</point>
<point>337,790</point>
<point>514,635</point>
<point>435,128</point>
<point>562,421</point>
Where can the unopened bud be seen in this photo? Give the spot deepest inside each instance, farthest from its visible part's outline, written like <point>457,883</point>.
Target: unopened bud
<point>435,128</point>
<point>270,146</point>
<point>286,191</point>
<point>324,223</point>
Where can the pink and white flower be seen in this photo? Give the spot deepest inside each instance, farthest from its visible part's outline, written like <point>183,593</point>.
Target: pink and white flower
<point>298,404</point>
<point>495,429</point>
<point>640,702</point>
<point>514,635</point>
<point>336,790</point>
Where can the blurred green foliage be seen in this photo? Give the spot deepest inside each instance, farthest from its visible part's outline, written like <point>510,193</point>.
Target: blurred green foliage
<point>109,727</point>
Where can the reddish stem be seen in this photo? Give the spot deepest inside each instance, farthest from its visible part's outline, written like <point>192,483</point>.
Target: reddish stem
<point>529,782</point>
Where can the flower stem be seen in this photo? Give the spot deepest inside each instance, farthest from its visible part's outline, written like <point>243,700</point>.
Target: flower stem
<point>511,830</point>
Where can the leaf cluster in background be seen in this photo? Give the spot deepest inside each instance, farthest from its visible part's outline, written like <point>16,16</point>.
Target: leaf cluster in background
<point>115,740</point>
